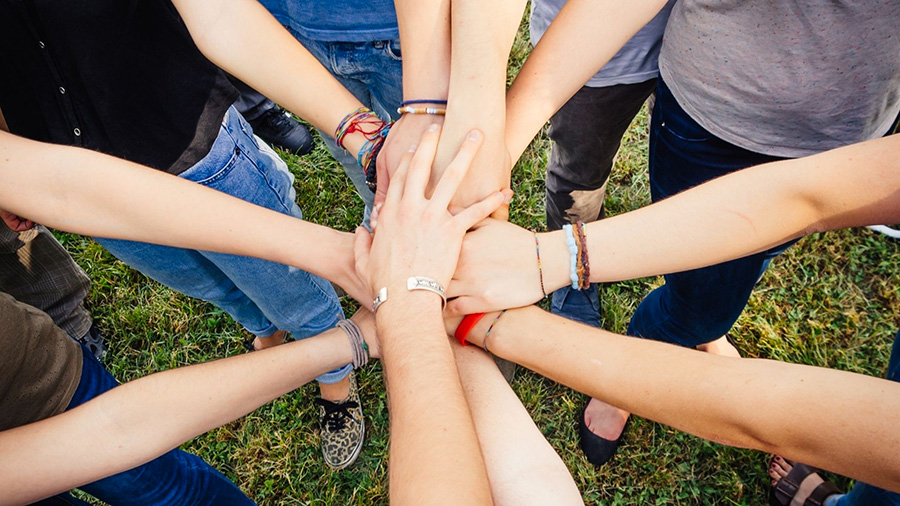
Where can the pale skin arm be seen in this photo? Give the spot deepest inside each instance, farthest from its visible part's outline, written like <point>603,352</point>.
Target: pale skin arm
<point>729,217</point>
<point>839,421</point>
<point>142,419</point>
<point>425,32</point>
<point>580,41</point>
<point>233,34</point>
<point>435,457</point>
<point>522,466</point>
<point>90,193</point>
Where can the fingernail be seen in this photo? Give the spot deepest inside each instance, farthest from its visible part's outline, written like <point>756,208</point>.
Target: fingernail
<point>434,127</point>
<point>412,148</point>
<point>474,135</point>
<point>506,197</point>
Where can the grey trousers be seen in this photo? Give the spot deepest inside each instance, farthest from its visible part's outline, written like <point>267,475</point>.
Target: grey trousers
<point>38,271</point>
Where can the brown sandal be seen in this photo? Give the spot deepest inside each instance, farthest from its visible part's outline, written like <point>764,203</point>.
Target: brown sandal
<point>802,486</point>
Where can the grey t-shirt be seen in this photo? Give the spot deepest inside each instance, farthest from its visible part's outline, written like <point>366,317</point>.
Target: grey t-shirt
<point>786,78</point>
<point>636,62</point>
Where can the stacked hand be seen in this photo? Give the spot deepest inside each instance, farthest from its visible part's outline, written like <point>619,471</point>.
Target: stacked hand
<point>419,236</point>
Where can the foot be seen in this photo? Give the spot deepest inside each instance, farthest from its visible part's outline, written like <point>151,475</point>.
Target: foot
<point>721,347</point>
<point>280,130</point>
<point>794,483</point>
<point>600,430</point>
<point>261,343</point>
<point>342,425</point>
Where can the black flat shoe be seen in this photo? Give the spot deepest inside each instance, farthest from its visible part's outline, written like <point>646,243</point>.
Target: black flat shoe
<point>597,450</point>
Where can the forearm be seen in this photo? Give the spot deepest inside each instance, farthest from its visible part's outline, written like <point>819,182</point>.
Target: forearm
<point>435,458</point>
<point>739,214</point>
<point>425,35</point>
<point>483,33</point>
<point>740,402</point>
<point>89,193</point>
<point>580,41</point>
<point>143,419</point>
<point>242,38</point>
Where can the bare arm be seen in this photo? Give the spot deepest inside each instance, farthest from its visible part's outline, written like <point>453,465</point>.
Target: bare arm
<point>482,35</point>
<point>89,193</point>
<point>729,217</point>
<point>142,419</point>
<point>435,457</point>
<point>233,34</point>
<point>425,36</point>
<point>738,402</point>
<point>580,41</point>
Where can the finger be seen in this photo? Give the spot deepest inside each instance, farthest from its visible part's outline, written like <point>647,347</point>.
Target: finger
<point>382,177</point>
<point>502,213</point>
<point>395,190</point>
<point>420,167</point>
<point>456,171</point>
<point>465,305</point>
<point>477,212</point>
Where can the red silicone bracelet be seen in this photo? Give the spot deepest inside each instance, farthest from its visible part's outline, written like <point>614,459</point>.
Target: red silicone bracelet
<point>466,325</point>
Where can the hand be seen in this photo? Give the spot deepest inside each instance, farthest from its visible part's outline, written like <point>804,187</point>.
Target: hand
<point>490,173</point>
<point>366,322</point>
<point>417,236</point>
<point>405,132</point>
<point>15,222</point>
<point>497,269</point>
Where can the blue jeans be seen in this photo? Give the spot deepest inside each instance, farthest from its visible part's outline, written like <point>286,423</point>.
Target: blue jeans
<point>175,478</point>
<point>262,296</point>
<point>373,72</point>
<point>701,305</point>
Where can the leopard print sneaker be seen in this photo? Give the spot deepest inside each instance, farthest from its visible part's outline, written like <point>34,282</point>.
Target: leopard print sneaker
<point>342,427</point>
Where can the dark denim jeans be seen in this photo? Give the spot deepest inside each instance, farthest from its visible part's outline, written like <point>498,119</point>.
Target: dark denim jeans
<point>175,478</point>
<point>586,134</point>
<point>701,305</point>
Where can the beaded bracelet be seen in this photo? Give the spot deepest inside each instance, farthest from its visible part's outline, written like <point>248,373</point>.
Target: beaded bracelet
<point>488,333</point>
<point>438,111</point>
<point>537,247</point>
<point>573,254</point>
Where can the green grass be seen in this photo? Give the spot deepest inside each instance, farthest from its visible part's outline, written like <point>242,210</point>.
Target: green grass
<point>829,301</point>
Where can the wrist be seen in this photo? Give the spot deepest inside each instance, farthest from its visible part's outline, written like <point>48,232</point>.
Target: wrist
<point>554,260</point>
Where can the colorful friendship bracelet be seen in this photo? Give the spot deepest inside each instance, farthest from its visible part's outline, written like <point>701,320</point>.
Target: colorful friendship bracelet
<point>367,123</point>
<point>437,111</point>
<point>488,333</point>
<point>573,255</point>
<point>537,247</point>
<point>586,267</point>
<point>465,327</point>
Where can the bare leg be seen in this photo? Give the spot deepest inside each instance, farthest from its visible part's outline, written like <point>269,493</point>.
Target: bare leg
<point>522,466</point>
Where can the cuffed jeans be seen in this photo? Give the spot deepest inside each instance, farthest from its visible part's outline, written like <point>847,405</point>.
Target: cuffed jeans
<point>262,296</point>
<point>176,478</point>
<point>697,306</point>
